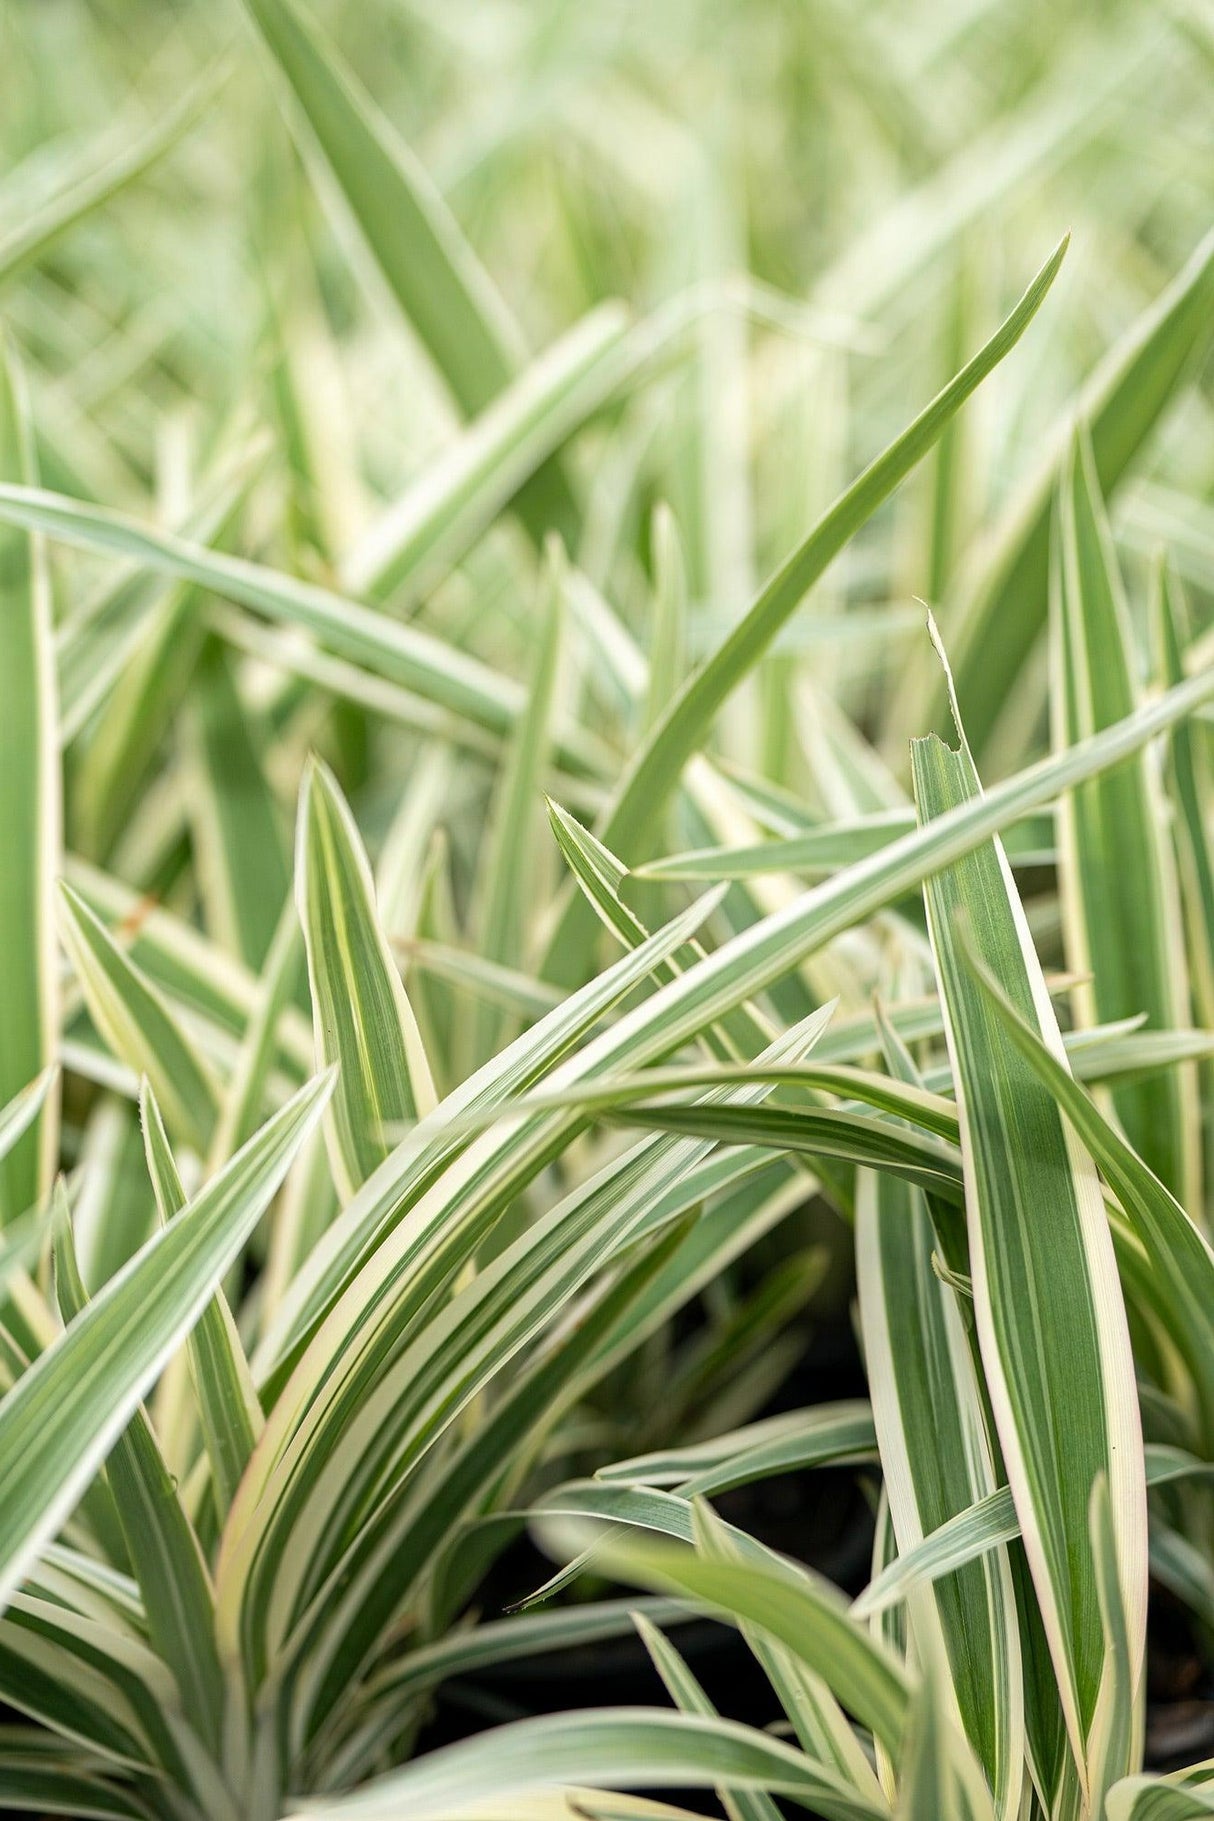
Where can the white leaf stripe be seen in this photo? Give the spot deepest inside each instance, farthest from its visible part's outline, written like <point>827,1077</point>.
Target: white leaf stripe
<point>228,1407</point>
<point>1120,890</point>
<point>58,1422</point>
<point>362,1016</point>
<point>1047,1298</point>
<point>30,821</point>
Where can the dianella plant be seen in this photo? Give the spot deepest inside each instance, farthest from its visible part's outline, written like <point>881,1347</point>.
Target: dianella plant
<point>606,681</point>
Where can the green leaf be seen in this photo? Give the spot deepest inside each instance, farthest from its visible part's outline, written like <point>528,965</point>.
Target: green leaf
<point>137,1024</point>
<point>159,1538</point>
<point>938,1775</point>
<point>96,179</point>
<point>1186,1796</point>
<point>258,1050</point>
<point>438,1353</point>
<point>430,268</point>
<point>401,654</point>
<point>937,1460</point>
<point>241,850</point>
<point>510,859</point>
<point>1179,1255</point>
<point>60,1420</point>
<point>689,1697</point>
<point>1046,1292</point>
<point>362,1017</point>
<point>611,1748</point>
<point>29,823</point>
<point>22,1110</point>
<point>1120,889</point>
<point>654,770</point>
<point>984,1526</point>
<point>228,1406</point>
<point>1004,602</point>
<point>34,1779</point>
<point>667,663</point>
<point>781,1444</point>
<point>799,1609</point>
<point>420,537</point>
<point>848,1137</point>
<point>431,1146</point>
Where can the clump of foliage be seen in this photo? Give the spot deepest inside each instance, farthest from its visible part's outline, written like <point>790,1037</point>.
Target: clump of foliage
<point>658,942</point>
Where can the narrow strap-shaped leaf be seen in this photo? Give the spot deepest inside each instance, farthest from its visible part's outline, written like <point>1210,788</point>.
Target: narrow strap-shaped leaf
<point>59,1421</point>
<point>937,1772</point>
<point>936,1460</point>
<point>369,1426</point>
<point>427,1150</point>
<point>406,1539</point>
<point>726,978</point>
<point>402,654</point>
<point>1004,601</point>
<point>88,1683</point>
<point>743,1029</point>
<point>32,1782</point>
<point>30,814</point>
<point>1187,1796</point>
<point>520,1635</point>
<point>506,880</point>
<point>441,285</point>
<point>611,1748</point>
<point>1117,1742</point>
<point>846,1137</point>
<point>689,1697</point>
<point>258,1050</point>
<point>362,1017</point>
<point>1046,1292</point>
<point>113,1208</point>
<point>654,770</point>
<point>160,1539</point>
<point>669,636</point>
<point>19,1114</point>
<point>241,847</point>
<point>133,1018</point>
<point>431,527</point>
<point>819,1723</point>
<point>801,1610</point>
<point>1179,1254</point>
<point>430,268</point>
<point>1189,787</point>
<point>97,178</point>
<point>1119,888</point>
<point>228,1405</point>
<point>800,1438</point>
<point>192,971</point>
<point>986,1525</point>
<point>600,875</point>
<point>903,1100</point>
<point>98,647</point>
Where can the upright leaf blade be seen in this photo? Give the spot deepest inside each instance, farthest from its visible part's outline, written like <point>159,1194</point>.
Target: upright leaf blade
<point>937,1460</point>
<point>59,1421</point>
<point>29,822</point>
<point>241,843</point>
<point>1046,1292</point>
<point>431,269</point>
<point>1120,888</point>
<point>137,1023</point>
<point>362,1018</point>
<point>1005,594</point>
<point>654,770</point>
<point>160,1540</point>
<point>228,1407</point>
<point>507,879</point>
